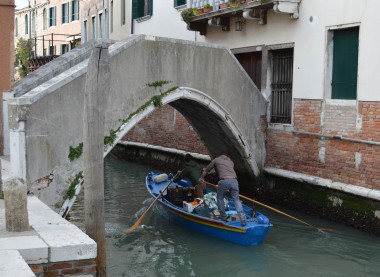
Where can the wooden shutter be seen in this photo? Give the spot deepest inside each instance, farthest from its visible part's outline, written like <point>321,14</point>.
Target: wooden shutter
<point>150,7</point>
<point>345,63</point>
<point>179,2</point>
<point>137,8</point>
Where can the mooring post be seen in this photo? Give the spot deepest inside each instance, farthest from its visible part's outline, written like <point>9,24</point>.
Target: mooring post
<point>97,86</point>
<point>15,201</point>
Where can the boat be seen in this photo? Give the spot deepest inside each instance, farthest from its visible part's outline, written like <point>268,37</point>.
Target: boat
<point>177,204</point>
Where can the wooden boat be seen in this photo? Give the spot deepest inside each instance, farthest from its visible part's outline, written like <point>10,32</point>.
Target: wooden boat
<point>197,214</point>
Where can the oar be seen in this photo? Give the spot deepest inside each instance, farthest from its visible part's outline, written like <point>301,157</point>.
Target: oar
<point>138,222</point>
<point>278,211</point>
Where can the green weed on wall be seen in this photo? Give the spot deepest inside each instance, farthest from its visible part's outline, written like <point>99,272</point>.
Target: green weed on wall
<point>76,151</point>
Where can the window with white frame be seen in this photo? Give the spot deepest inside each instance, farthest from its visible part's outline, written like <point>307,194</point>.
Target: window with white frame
<point>26,25</point>
<point>65,13</point>
<point>142,8</point>
<point>64,48</point>
<point>74,10</point>
<point>33,23</point>
<point>93,27</point>
<point>16,27</point>
<point>84,31</point>
<point>100,28</point>
<point>52,17</point>
<point>343,63</point>
<point>179,3</point>
<point>281,85</point>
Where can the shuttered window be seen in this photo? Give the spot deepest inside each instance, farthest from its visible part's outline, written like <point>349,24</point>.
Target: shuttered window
<point>179,2</point>
<point>139,9</point>
<point>345,63</point>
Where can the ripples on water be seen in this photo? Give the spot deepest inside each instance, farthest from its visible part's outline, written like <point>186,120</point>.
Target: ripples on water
<point>160,248</point>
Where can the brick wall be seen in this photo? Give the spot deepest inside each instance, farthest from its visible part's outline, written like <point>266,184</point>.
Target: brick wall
<point>7,55</point>
<point>65,268</point>
<point>167,127</point>
<point>342,161</point>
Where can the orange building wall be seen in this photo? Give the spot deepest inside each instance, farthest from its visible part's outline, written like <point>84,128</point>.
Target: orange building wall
<point>6,54</point>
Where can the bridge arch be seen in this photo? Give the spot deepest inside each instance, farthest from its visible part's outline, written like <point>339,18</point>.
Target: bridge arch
<point>214,93</point>
<point>212,123</point>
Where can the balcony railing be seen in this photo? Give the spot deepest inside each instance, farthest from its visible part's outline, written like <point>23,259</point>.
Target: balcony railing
<point>223,10</point>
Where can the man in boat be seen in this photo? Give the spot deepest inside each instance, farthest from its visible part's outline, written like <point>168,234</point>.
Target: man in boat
<point>192,172</point>
<point>224,167</point>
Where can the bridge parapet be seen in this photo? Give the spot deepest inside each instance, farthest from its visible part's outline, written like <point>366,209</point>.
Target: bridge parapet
<point>215,94</point>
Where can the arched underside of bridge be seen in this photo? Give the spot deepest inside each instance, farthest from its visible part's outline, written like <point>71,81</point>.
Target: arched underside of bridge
<point>213,92</point>
<point>212,123</point>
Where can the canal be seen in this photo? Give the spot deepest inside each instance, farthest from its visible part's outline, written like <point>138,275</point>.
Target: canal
<point>160,248</point>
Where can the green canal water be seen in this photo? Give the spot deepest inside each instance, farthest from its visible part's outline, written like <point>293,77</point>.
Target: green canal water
<point>161,248</point>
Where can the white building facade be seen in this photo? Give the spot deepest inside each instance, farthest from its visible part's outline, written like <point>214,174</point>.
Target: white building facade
<point>52,26</point>
<point>315,61</point>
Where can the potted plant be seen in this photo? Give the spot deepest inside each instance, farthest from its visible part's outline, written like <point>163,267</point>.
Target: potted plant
<point>207,8</point>
<point>234,3</point>
<point>187,14</point>
<point>224,5</point>
<point>200,10</point>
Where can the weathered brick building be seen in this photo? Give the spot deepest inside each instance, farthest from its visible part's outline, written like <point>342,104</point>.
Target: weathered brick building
<point>6,53</point>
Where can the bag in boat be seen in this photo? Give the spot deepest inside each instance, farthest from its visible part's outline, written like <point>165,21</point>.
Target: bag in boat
<point>177,195</point>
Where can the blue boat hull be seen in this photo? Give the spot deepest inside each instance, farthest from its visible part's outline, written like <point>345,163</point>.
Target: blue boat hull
<point>253,233</point>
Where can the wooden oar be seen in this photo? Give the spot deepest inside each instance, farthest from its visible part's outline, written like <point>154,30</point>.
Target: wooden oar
<point>278,211</point>
<point>138,222</point>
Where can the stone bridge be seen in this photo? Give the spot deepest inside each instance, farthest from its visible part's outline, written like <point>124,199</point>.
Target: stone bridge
<point>207,85</point>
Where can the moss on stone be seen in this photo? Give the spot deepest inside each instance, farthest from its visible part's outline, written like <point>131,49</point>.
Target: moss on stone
<point>71,191</point>
<point>355,204</point>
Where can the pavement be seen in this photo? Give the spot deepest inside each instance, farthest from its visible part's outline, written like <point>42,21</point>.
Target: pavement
<point>50,238</point>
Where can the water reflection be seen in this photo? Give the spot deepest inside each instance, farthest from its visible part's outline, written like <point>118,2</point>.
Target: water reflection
<point>161,248</point>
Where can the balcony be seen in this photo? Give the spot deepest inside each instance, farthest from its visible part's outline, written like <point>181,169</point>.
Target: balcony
<point>199,18</point>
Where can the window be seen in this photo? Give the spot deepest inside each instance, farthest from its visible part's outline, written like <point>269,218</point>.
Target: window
<point>44,52</point>
<point>344,63</point>
<point>26,25</point>
<point>44,19</point>
<point>179,3</point>
<point>16,27</point>
<point>65,13</point>
<point>122,12</point>
<point>52,50</point>
<point>74,10</point>
<point>100,28</point>
<point>281,85</point>
<point>251,62</point>
<point>93,27</point>
<point>111,21</point>
<point>85,31</point>
<point>33,23</point>
<point>64,48</point>
<point>52,21</point>
<point>141,8</point>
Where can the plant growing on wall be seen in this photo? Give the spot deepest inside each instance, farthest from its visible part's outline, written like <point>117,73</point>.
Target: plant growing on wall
<point>76,152</point>
<point>23,52</point>
<point>71,191</point>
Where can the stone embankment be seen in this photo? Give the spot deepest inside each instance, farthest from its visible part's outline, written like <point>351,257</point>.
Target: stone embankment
<point>51,246</point>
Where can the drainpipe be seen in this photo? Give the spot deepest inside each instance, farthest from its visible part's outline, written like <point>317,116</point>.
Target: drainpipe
<point>336,137</point>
